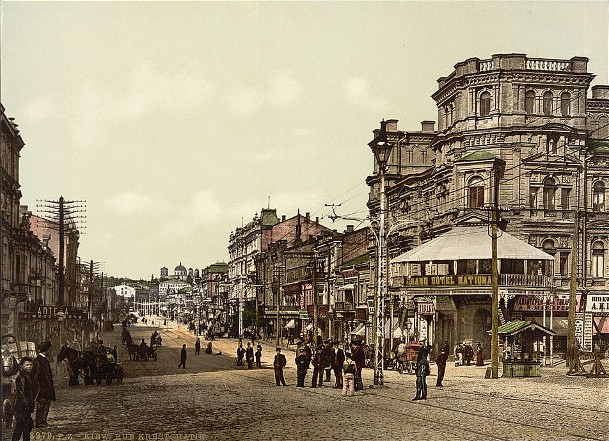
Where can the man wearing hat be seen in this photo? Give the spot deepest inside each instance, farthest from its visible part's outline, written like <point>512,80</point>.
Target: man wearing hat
<point>44,391</point>
<point>279,363</point>
<point>302,366</point>
<point>319,362</point>
<point>339,359</point>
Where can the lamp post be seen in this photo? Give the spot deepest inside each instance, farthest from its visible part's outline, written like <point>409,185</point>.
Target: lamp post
<point>381,149</point>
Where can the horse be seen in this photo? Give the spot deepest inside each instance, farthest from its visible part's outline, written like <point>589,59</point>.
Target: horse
<point>78,361</point>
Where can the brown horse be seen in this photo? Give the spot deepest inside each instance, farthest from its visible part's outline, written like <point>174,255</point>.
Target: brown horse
<point>84,362</point>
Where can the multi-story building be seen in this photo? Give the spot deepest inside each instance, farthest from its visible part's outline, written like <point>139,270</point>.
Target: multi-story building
<point>523,135</point>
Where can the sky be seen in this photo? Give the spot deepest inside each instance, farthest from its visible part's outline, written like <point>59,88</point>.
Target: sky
<point>178,121</point>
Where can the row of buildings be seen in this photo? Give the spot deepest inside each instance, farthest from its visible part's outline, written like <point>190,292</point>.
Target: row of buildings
<point>47,291</point>
<point>527,136</point>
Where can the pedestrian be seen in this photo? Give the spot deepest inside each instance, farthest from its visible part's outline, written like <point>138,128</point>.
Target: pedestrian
<point>358,356</point>
<point>459,354</point>
<point>249,355</point>
<point>349,370</point>
<point>302,366</point>
<point>468,354</point>
<point>208,350</point>
<point>329,355</point>
<point>278,364</point>
<point>44,390</point>
<point>319,362</point>
<point>114,353</point>
<point>479,355</point>
<point>183,357</point>
<point>259,355</point>
<point>422,371</point>
<point>24,400</point>
<point>198,346</point>
<point>441,362</point>
<point>240,354</point>
<point>339,359</point>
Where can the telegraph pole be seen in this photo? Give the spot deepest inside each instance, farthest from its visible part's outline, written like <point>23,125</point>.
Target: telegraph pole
<point>58,213</point>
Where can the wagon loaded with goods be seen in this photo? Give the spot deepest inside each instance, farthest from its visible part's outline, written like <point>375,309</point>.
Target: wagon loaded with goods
<point>13,351</point>
<point>407,359</point>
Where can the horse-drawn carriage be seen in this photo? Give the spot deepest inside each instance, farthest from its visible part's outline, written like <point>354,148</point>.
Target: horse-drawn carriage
<point>406,357</point>
<point>91,366</point>
<point>142,351</point>
<point>12,352</point>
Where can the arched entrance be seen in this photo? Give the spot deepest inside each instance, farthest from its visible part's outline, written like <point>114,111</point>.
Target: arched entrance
<point>482,322</point>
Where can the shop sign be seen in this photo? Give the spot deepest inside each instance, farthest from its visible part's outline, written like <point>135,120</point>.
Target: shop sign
<point>532,303</point>
<point>303,314</point>
<point>426,308</point>
<point>597,303</point>
<point>459,280</point>
<point>52,313</point>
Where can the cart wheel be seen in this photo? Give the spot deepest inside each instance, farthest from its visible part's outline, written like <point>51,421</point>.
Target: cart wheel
<point>401,368</point>
<point>119,375</point>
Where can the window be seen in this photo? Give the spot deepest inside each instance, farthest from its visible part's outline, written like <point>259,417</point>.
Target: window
<point>598,196</point>
<point>547,103</point>
<point>485,104</point>
<point>424,156</point>
<point>533,197</point>
<point>408,156</point>
<point>476,193</point>
<point>564,198</point>
<point>565,104</point>
<point>598,259</point>
<point>549,192</point>
<point>512,266</point>
<point>564,264</point>
<point>529,101</point>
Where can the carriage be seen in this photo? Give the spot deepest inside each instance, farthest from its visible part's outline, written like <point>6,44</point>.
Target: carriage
<point>12,352</point>
<point>406,361</point>
<point>109,371</point>
<point>91,366</point>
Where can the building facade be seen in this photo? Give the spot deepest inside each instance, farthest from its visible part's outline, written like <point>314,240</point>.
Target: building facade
<point>528,136</point>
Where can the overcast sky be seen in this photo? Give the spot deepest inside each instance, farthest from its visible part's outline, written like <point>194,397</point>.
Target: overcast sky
<point>175,120</point>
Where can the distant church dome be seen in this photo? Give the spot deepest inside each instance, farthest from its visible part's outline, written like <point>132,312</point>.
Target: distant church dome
<point>180,268</point>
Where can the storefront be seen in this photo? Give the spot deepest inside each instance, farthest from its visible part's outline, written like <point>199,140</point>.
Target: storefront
<point>449,279</point>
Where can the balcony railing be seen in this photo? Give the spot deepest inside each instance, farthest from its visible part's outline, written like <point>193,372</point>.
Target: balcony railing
<point>551,65</point>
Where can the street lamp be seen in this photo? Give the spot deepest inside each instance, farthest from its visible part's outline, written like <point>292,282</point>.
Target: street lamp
<point>381,149</point>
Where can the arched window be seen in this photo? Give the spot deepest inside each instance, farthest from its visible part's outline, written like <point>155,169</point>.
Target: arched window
<point>598,196</point>
<point>549,193</point>
<point>565,104</point>
<point>529,101</point>
<point>598,259</point>
<point>475,193</point>
<point>485,104</point>
<point>547,103</point>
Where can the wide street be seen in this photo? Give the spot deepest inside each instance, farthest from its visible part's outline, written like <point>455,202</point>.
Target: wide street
<point>215,400</point>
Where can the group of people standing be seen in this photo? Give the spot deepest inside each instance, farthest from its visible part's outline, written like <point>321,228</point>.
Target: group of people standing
<point>464,353</point>
<point>249,355</point>
<point>34,391</point>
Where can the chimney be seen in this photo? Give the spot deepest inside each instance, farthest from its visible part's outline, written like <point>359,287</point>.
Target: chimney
<point>308,216</point>
<point>600,92</point>
<point>317,221</point>
<point>283,218</point>
<point>391,125</point>
<point>45,239</point>
<point>349,229</point>
<point>428,126</point>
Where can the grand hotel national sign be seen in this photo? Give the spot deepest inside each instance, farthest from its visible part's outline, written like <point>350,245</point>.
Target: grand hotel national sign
<point>52,313</point>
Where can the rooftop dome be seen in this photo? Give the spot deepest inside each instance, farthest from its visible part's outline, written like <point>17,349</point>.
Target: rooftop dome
<point>180,268</point>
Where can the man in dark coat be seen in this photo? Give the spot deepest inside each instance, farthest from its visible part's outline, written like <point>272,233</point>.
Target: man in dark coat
<point>249,355</point>
<point>44,391</point>
<point>240,354</point>
<point>422,371</point>
<point>198,346</point>
<point>302,366</point>
<point>183,357</point>
<point>339,359</point>
<point>258,355</point>
<point>24,400</point>
<point>319,362</point>
<point>359,358</point>
<point>468,354</point>
<point>441,362</point>
<point>278,364</point>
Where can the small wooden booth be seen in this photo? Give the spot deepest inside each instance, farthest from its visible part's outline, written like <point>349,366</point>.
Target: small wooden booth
<point>521,348</point>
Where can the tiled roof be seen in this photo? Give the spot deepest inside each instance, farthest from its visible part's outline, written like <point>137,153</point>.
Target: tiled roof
<point>599,145</point>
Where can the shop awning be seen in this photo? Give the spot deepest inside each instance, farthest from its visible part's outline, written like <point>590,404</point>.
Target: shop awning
<point>359,330</point>
<point>291,324</point>
<point>516,327</point>
<point>310,327</point>
<point>601,325</point>
<point>463,243</point>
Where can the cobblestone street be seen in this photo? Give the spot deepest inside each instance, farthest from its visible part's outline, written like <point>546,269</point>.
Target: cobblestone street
<point>215,400</point>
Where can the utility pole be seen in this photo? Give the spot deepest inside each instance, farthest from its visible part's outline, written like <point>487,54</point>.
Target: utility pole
<point>573,291</point>
<point>495,275</point>
<point>58,213</point>
<point>315,306</point>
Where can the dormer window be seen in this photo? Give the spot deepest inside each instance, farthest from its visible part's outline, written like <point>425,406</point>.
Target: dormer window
<point>485,104</point>
<point>475,191</point>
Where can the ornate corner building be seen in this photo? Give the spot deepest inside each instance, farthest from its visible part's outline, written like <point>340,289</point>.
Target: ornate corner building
<point>530,136</point>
